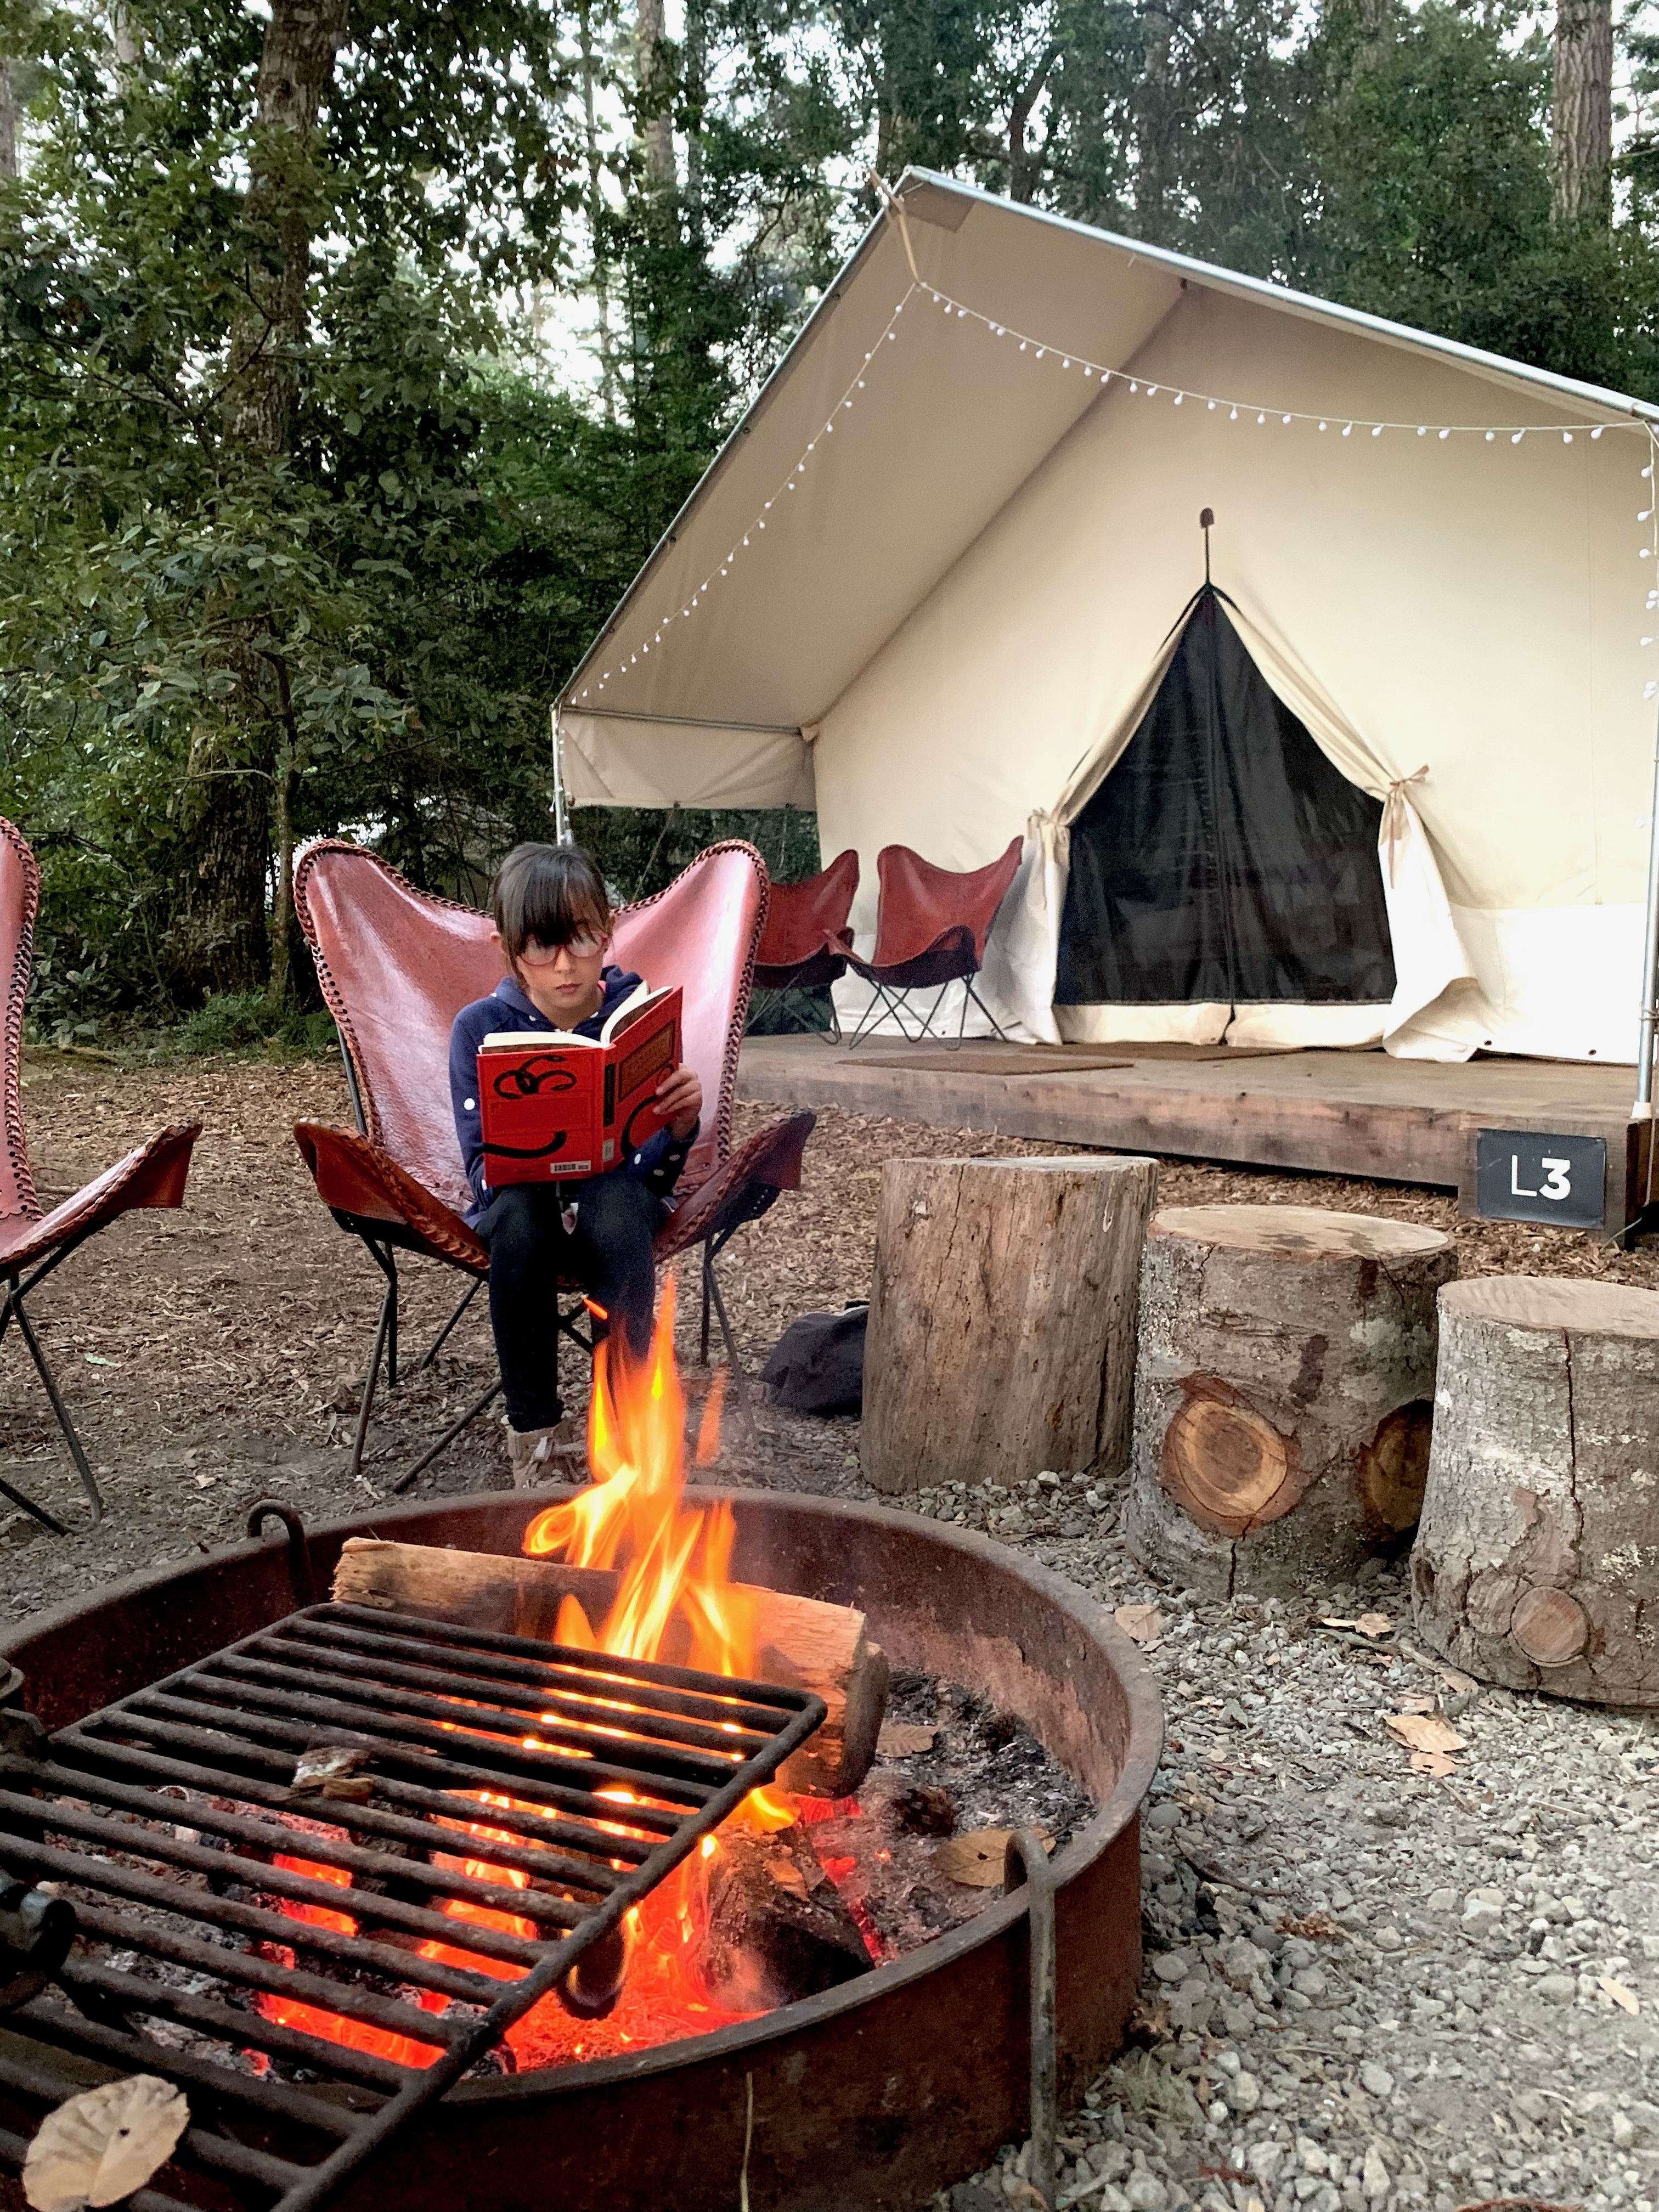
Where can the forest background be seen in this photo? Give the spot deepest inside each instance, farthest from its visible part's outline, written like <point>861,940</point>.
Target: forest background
<point>354,353</point>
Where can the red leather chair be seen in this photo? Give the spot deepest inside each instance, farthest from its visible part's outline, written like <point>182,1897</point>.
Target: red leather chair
<point>397,965</point>
<point>805,943</point>
<point>31,1242</point>
<point>931,928</point>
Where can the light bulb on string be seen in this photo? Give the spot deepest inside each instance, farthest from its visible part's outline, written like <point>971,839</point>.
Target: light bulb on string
<point>1376,429</point>
<point>1597,431</point>
<point>1517,437</point>
<point>1566,437</point>
<point>1233,418</point>
<point>1179,396</point>
<point>1347,429</point>
<point>1133,386</point>
<point>1212,404</point>
<point>1422,429</point>
<point>1445,434</point>
<point>1322,426</point>
<point>1261,418</point>
<point>1491,434</point>
<point>1285,420</point>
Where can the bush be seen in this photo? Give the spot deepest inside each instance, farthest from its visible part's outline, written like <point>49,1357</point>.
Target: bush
<point>247,1021</point>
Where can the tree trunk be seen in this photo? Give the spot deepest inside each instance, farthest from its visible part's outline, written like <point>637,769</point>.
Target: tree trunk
<point>1581,121</point>
<point>1024,173</point>
<point>296,66</point>
<point>1283,1393</point>
<point>696,94</point>
<point>1002,1322</point>
<point>656,123</point>
<point>219,941</point>
<point>596,215</point>
<point>7,125</point>
<point>1537,1564</point>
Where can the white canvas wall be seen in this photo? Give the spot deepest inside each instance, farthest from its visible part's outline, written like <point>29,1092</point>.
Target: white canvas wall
<point>1475,606</point>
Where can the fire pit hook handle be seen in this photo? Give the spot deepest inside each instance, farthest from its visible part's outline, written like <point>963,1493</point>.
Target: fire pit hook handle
<point>300,1575</point>
<point>1026,1864</point>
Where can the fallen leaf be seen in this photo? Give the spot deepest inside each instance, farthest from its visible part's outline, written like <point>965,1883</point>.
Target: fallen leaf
<point>1619,1994</point>
<point>900,1738</point>
<point>1330,1621</point>
<point>1424,1731</point>
<point>1374,1624</point>
<point>1416,1701</point>
<point>1440,1764</point>
<point>976,1860</point>
<point>1141,1624</point>
<point>101,2146</point>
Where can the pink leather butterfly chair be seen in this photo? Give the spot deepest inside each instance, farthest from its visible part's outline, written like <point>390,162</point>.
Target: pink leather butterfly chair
<point>806,942</point>
<point>397,965</point>
<point>931,927</point>
<point>33,1244</point>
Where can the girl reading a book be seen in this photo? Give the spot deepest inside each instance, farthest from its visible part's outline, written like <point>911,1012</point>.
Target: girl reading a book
<point>552,921</point>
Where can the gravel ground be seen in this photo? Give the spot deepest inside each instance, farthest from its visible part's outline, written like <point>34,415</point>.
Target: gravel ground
<point>1367,1987</point>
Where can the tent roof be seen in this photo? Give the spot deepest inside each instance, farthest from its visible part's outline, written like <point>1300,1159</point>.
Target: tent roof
<point>945,428</point>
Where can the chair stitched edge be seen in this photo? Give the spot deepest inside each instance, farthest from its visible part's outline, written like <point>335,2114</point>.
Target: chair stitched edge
<point>335,1001</point>
<point>11,1046</point>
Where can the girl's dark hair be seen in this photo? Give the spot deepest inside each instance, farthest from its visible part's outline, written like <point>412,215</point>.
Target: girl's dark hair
<point>548,892</point>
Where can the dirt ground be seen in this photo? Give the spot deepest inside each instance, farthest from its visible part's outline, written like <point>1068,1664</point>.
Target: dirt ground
<point>211,1356</point>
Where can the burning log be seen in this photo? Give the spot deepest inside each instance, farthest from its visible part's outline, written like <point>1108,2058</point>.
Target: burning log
<point>799,1641</point>
<point>778,1927</point>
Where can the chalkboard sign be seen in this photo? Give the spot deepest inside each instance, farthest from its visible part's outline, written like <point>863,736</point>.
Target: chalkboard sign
<point>1523,1175</point>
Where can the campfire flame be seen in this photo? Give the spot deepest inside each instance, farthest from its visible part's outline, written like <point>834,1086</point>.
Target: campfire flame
<point>676,1600</point>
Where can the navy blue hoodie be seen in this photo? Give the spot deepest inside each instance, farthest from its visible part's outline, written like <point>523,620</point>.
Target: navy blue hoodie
<point>659,1160</point>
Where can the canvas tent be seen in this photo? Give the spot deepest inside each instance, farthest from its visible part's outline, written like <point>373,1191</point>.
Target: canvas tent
<point>938,583</point>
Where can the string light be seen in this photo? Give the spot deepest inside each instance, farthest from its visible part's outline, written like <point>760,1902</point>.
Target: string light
<point>1107,374</point>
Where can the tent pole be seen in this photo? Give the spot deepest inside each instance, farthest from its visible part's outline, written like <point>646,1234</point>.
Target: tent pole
<point>1643,1108</point>
<point>560,809</point>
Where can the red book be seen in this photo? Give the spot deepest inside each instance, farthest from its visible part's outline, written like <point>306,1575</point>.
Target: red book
<point>555,1104</point>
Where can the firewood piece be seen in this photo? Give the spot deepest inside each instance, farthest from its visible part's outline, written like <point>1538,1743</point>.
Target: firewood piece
<point>1537,1563</point>
<point>1002,1322</point>
<point>1283,1393</point>
<point>801,1642</point>
<point>778,1927</point>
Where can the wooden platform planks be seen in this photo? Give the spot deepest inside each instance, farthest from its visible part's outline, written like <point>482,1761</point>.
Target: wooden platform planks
<point>1333,1113</point>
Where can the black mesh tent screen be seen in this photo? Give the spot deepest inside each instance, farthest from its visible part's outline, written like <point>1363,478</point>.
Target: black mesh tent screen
<point>1224,859</point>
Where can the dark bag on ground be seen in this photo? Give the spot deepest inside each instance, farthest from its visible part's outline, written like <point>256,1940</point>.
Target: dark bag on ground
<point>816,1366</point>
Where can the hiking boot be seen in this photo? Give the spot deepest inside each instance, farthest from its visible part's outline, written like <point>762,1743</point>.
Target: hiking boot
<point>537,1456</point>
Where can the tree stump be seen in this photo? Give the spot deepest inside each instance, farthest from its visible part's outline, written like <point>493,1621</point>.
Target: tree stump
<point>1537,1563</point>
<point>1002,1321</point>
<point>1283,1393</point>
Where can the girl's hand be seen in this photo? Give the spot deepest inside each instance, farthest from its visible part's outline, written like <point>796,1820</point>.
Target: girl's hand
<point>679,1096</point>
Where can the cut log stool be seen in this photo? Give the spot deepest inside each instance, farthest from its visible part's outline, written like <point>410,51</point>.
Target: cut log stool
<point>1001,1336</point>
<point>1537,1563</point>
<point>1283,1393</point>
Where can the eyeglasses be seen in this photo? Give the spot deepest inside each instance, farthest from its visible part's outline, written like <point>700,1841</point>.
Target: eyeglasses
<point>580,947</point>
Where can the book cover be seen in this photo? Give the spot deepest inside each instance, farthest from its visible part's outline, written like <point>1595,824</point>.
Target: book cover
<point>553,1105</point>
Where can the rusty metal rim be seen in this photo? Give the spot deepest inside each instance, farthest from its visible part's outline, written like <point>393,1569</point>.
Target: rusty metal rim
<point>1146,1737</point>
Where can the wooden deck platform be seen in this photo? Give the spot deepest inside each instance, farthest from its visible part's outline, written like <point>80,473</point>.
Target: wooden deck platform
<point>1336,1113</point>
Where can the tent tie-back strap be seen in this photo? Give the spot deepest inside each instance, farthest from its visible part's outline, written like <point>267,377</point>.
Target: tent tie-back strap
<point>895,207</point>
<point>1393,827</point>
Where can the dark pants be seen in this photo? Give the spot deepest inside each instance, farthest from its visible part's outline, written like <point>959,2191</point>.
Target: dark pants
<point>532,1252</point>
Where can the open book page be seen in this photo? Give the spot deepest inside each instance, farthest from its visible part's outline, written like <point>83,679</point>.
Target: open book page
<point>638,1003</point>
<point>526,1040</point>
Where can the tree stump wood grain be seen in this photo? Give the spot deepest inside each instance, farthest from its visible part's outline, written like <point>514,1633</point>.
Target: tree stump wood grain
<point>1283,1393</point>
<point>1002,1319</point>
<point>1537,1563</point>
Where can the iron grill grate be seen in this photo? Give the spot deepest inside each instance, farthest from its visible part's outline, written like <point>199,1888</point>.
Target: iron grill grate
<point>159,1818</point>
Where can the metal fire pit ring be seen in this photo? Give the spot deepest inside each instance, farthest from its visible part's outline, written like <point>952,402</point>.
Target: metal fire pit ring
<point>867,2098</point>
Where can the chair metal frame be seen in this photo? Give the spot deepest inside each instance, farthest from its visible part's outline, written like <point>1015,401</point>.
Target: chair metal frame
<point>161,1165</point>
